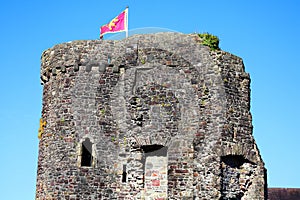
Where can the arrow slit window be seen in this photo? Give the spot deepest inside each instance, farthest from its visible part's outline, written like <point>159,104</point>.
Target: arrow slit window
<point>86,153</point>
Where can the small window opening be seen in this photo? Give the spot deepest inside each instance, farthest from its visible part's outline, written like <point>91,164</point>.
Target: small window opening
<point>124,175</point>
<point>86,155</point>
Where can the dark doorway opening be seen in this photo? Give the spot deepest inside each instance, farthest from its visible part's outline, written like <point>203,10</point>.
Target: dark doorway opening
<point>230,176</point>
<point>155,177</point>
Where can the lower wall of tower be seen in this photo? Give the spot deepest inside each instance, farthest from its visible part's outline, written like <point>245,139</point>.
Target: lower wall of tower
<point>83,183</point>
<point>171,175</point>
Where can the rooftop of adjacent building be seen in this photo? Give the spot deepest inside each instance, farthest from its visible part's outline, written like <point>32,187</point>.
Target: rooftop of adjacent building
<point>284,193</point>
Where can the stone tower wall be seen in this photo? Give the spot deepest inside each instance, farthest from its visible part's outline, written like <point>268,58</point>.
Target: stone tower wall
<point>167,119</point>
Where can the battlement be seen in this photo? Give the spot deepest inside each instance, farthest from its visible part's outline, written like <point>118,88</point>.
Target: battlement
<point>87,54</point>
<point>156,116</point>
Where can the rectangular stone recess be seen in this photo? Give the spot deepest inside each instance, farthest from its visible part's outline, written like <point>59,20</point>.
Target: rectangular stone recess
<point>156,173</point>
<point>230,177</point>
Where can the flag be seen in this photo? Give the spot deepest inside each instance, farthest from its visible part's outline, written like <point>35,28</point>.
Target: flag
<point>118,24</point>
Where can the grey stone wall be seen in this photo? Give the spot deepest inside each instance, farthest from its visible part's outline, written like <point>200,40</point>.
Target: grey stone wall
<point>148,99</point>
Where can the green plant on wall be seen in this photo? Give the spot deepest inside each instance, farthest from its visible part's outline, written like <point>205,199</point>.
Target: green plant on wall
<point>209,40</point>
<point>143,61</point>
<point>102,111</point>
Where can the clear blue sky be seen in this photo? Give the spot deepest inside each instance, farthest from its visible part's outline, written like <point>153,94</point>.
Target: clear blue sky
<point>264,33</point>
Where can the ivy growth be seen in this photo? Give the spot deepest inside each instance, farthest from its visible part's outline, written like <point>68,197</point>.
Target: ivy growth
<point>209,40</point>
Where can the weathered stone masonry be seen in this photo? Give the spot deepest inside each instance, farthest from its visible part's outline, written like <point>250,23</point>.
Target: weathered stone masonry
<point>156,116</point>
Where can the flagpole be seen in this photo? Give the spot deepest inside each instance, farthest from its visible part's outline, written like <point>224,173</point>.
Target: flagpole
<point>126,22</point>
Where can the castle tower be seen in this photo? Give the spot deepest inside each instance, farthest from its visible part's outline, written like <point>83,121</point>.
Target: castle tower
<point>156,116</point>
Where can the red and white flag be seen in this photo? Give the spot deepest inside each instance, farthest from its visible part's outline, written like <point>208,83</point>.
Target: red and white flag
<point>118,24</point>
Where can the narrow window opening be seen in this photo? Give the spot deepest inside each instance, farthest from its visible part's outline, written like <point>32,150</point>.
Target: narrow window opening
<point>124,175</point>
<point>86,155</point>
